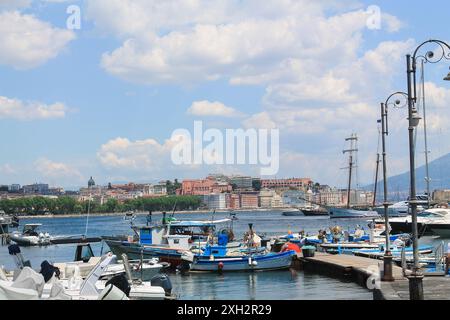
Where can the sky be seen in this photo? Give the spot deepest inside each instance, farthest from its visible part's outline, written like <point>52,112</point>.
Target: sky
<point>103,100</point>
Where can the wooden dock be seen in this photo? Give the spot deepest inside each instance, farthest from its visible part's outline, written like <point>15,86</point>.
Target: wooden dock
<point>364,272</point>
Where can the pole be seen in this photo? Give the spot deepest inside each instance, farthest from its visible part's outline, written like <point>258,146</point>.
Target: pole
<point>376,181</point>
<point>415,279</point>
<point>427,179</point>
<point>387,259</point>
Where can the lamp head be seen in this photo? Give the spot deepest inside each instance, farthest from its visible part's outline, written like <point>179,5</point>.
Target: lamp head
<point>447,78</point>
<point>415,119</point>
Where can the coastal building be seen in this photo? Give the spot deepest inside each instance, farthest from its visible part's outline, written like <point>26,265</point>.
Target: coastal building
<point>233,201</point>
<point>295,198</point>
<point>37,188</point>
<point>286,184</point>
<point>152,190</point>
<point>249,200</point>
<point>14,188</point>
<point>242,182</point>
<point>204,187</point>
<point>215,201</point>
<point>270,199</point>
<point>441,196</point>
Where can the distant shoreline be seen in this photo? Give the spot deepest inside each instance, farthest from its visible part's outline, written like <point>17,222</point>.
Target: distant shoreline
<point>117,214</point>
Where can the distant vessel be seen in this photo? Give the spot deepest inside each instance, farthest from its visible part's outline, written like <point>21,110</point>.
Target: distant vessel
<point>293,213</point>
<point>313,212</point>
<point>349,212</point>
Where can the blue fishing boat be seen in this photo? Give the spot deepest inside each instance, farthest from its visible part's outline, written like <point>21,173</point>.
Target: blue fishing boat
<point>215,259</point>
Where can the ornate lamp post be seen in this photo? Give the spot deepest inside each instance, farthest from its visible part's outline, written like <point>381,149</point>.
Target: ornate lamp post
<point>415,279</point>
<point>387,259</point>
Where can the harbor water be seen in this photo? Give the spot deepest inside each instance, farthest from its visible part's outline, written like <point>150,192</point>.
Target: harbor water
<point>273,285</point>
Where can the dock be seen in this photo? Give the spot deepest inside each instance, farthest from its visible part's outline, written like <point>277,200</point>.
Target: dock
<point>367,272</point>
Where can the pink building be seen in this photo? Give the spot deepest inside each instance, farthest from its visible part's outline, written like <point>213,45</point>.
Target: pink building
<point>204,187</point>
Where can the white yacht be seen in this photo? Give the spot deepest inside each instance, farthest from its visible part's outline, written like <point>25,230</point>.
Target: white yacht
<point>427,220</point>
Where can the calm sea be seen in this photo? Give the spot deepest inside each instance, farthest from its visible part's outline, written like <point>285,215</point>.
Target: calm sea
<point>277,285</point>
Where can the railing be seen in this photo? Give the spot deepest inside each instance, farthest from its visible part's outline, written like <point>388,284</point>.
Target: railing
<point>404,264</point>
<point>439,257</point>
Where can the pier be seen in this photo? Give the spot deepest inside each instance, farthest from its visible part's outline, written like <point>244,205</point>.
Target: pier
<point>359,270</point>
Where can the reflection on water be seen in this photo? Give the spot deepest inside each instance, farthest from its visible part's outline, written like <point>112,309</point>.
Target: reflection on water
<point>276,285</point>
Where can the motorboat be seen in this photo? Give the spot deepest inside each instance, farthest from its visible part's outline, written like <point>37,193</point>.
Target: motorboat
<point>427,220</point>
<point>293,213</point>
<point>350,213</point>
<point>30,236</point>
<point>85,261</point>
<point>399,209</point>
<point>27,284</point>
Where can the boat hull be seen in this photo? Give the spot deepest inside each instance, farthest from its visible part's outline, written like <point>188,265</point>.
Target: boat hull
<point>272,261</point>
<point>135,251</point>
<point>315,213</point>
<point>441,230</point>
<point>344,213</point>
<point>293,214</point>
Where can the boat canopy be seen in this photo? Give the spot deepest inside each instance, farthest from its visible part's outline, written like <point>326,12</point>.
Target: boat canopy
<point>198,223</point>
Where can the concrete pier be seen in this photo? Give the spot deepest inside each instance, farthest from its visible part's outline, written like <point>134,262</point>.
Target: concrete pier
<point>367,273</point>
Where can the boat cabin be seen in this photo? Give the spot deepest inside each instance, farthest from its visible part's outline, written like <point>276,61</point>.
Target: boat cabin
<point>83,252</point>
<point>30,229</point>
<point>178,234</point>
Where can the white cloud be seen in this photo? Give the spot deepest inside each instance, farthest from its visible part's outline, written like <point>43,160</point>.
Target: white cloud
<point>176,42</point>
<point>25,111</point>
<point>14,4</point>
<point>56,170</point>
<point>214,109</point>
<point>27,42</point>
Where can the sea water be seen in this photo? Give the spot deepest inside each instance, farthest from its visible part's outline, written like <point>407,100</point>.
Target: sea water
<point>270,285</point>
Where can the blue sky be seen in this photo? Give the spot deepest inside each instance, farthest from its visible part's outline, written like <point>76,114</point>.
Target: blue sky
<point>317,84</point>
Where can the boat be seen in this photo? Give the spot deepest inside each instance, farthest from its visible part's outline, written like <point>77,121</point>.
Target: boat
<point>430,219</point>
<point>69,283</point>
<point>256,262</point>
<point>350,212</point>
<point>255,257</point>
<point>85,261</point>
<point>293,213</point>
<point>168,240</point>
<point>399,209</point>
<point>30,237</point>
<point>315,212</point>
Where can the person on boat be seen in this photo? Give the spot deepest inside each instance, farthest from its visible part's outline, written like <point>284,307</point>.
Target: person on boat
<point>149,218</point>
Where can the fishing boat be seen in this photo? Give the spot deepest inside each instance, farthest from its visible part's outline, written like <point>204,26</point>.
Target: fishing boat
<point>254,257</point>
<point>350,212</point>
<point>169,240</point>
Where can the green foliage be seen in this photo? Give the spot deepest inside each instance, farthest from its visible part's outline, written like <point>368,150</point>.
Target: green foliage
<point>69,205</point>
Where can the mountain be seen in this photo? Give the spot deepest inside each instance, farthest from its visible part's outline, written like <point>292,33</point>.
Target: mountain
<point>439,174</point>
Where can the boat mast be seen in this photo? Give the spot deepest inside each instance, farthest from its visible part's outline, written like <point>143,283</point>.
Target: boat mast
<point>353,139</point>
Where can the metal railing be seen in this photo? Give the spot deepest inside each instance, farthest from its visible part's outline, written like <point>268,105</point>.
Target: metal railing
<point>439,257</point>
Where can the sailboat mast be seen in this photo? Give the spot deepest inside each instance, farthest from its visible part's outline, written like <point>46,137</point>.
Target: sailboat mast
<point>349,181</point>
<point>353,140</point>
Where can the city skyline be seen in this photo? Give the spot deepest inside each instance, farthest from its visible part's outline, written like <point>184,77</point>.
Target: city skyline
<point>104,100</point>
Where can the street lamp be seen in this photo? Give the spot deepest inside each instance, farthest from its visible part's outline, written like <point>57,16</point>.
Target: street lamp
<point>447,78</point>
<point>387,259</point>
<point>416,277</point>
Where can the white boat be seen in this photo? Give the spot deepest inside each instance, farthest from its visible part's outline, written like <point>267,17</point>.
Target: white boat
<point>429,222</point>
<point>30,285</point>
<point>30,236</point>
<point>399,209</point>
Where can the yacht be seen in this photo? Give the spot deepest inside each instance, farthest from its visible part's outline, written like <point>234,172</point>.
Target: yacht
<point>427,220</point>
<point>30,236</point>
